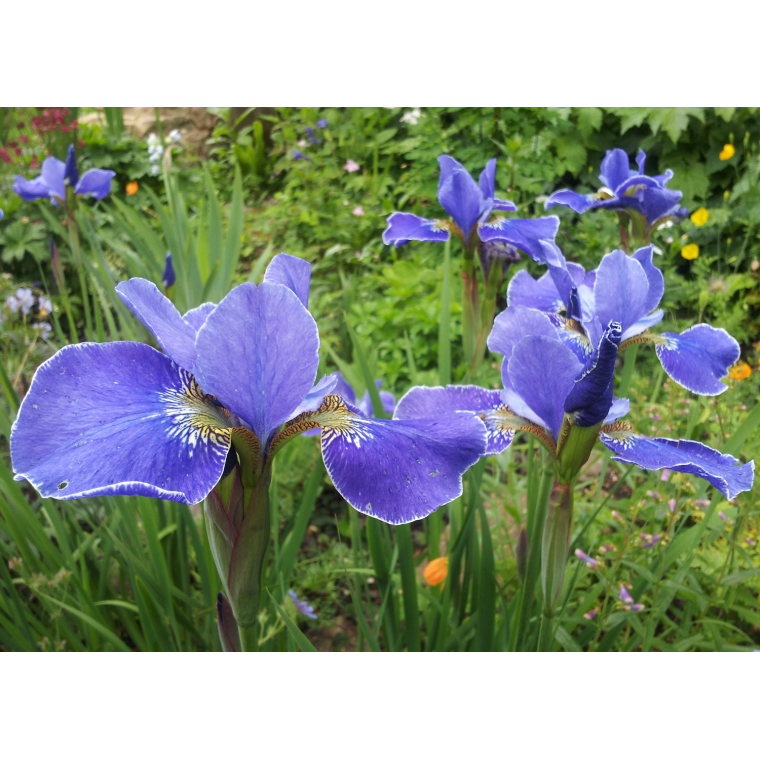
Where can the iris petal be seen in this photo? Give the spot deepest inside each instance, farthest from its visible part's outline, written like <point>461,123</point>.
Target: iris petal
<point>293,273</point>
<point>698,357</point>
<point>541,294</point>
<point>197,316</point>
<point>30,189</point>
<point>53,172</point>
<point>460,196</point>
<point>395,470</point>
<point>258,354</point>
<point>654,276</point>
<point>404,227</point>
<point>118,418</point>
<point>615,168</point>
<point>162,320</point>
<point>523,234</point>
<point>621,291</point>
<point>96,182</point>
<point>577,202</point>
<point>720,470</point>
<point>511,326</point>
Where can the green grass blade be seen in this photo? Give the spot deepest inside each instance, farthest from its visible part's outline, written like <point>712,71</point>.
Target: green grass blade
<point>444,320</point>
<point>409,586</point>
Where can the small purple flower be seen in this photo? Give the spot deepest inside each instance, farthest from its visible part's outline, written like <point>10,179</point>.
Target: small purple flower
<point>322,123</point>
<point>591,614</point>
<point>672,505</point>
<point>607,548</point>
<point>627,600</point>
<point>654,495</point>
<point>590,561</point>
<point>44,327</point>
<point>701,502</point>
<point>298,156</point>
<point>648,540</point>
<point>301,606</point>
<point>665,476</point>
<point>168,278</point>
<point>617,516</point>
<point>311,137</point>
<point>23,300</point>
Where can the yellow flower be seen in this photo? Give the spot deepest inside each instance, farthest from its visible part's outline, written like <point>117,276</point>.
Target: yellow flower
<point>132,187</point>
<point>699,217</point>
<point>690,251</point>
<point>740,371</point>
<point>727,152</point>
<point>436,571</point>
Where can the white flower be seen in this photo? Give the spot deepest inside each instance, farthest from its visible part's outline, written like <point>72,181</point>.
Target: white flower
<point>45,306</point>
<point>45,327</point>
<point>411,117</point>
<point>152,139</point>
<point>174,135</point>
<point>12,303</point>
<point>155,169</point>
<point>25,300</point>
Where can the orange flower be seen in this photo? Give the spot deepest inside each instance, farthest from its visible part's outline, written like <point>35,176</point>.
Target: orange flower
<point>690,251</point>
<point>132,187</point>
<point>740,371</point>
<point>437,570</point>
<point>727,152</point>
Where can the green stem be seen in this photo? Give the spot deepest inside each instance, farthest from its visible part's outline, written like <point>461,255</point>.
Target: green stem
<point>249,638</point>
<point>470,308</point>
<point>546,634</point>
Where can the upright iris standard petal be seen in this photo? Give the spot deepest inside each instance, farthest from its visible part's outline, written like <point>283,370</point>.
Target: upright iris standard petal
<point>621,292</point>
<point>118,418</point>
<point>162,320</point>
<point>654,276</point>
<point>168,278</point>
<point>487,182</point>
<point>30,189</point>
<point>395,470</point>
<point>314,398</point>
<point>405,227</point>
<point>197,316</point>
<point>720,470</point>
<point>460,196</point>
<point>541,374</point>
<point>258,354</point>
<point>523,234</point>
<point>615,168</point>
<point>589,402</point>
<point>698,357</point>
<point>71,175</point>
<point>53,172</point>
<point>293,273</point>
<point>388,400</point>
<point>658,204</point>
<point>511,326</point>
<point>421,402</point>
<point>95,182</point>
<point>541,294</point>
<point>620,407</point>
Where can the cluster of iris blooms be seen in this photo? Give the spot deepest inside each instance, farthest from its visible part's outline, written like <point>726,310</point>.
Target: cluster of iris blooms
<point>203,419</point>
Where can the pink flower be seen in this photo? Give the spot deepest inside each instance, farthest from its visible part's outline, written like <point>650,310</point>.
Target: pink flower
<point>358,211</point>
<point>301,143</point>
<point>616,515</point>
<point>702,503</point>
<point>665,475</point>
<point>590,615</point>
<point>351,166</point>
<point>654,494</point>
<point>672,505</point>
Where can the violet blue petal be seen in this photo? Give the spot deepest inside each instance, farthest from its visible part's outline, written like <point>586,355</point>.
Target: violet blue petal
<point>400,471</point>
<point>31,189</point>
<point>575,339</point>
<point>168,278</point>
<point>657,204</point>
<point>523,234</point>
<point>460,196</point>
<point>698,357</point>
<point>197,316</point>
<point>621,291</point>
<point>53,172</point>
<point>625,597</point>
<point>422,402</point>
<point>620,407</point>
<point>720,470</point>
<point>487,181</point>
<point>511,326</point>
<point>590,399</point>
<point>641,160</point>
<point>95,182</point>
<point>404,227</point>
<point>293,273</point>
<point>577,202</point>
<point>316,395</point>
<point>541,373</point>
<point>118,418</point>
<point>636,181</point>
<point>647,321</point>
<point>161,318</point>
<point>541,294</point>
<point>344,389</point>
<point>615,169</point>
<point>258,354</point>
<point>654,276</point>
<point>388,400</point>
<point>502,205</point>
<point>70,174</point>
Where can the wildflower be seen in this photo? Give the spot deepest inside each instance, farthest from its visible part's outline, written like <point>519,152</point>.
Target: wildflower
<point>748,541</point>
<point>135,421</point>
<point>302,143</point>
<point>583,557</point>
<point>312,138</point>
<point>351,166</point>
<point>132,187</point>
<point>436,571</point>
<point>648,540</point>
<point>627,191</point>
<point>727,152</point>
<point>57,175</point>
<point>174,136</point>
<point>14,562</point>
<point>625,289</point>
<point>690,251</point>
<point>740,371</point>
<point>322,123</point>
<point>654,495</point>
<point>617,516</point>
<point>591,614</point>
<point>45,329</point>
<point>298,156</point>
<point>155,169</point>
<point>722,515</point>
<point>358,211</point>
<point>700,216</point>
<point>470,205</point>
<point>44,305</point>
<point>168,278</point>
<point>627,600</point>
<point>411,117</point>
<point>23,300</point>
<point>606,548</point>
<point>672,505</point>
<point>665,475</point>
<point>302,606</point>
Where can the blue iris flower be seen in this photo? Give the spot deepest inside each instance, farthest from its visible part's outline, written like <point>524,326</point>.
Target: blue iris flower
<point>549,388</point>
<point>57,175</point>
<point>470,205</point>
<point>627,190</point>
<point>298,156</point>
<point>123,418</point>
<point>168,278</point>
<point>322,123</point>
<point>626,289</point>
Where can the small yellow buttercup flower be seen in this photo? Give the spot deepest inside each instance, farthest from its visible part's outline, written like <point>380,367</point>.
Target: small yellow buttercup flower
<point>699,217</point>
<point>690,251</point>
<point>740,371</point>
<point>436,571</point>
<point>727,152</point>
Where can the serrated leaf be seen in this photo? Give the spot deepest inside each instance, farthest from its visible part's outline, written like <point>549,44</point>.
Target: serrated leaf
<point>589,120</point>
